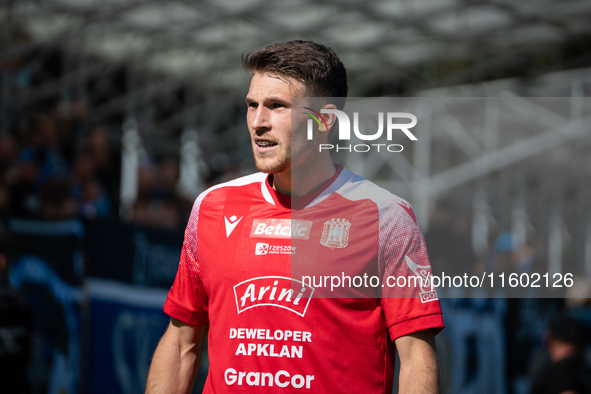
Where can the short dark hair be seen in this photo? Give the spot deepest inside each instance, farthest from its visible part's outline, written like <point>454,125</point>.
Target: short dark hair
<point>565,329</point>
<point>318,67</point>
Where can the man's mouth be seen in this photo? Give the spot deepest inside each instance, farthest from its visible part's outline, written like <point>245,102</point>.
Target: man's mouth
<point>266,144</point>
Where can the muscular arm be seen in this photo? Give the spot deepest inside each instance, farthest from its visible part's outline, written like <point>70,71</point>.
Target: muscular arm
<point>176,359</point>
<point>419,368</point>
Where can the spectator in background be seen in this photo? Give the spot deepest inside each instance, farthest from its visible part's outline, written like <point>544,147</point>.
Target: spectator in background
<point>501,257</point>
<point>43,150</point>
<point>15,75</point>
<point>168,178</point>
<point>15,329</point>
<point>565,372</point>
<point>8,152</point>
<point>107,167</point>
<point>509,257</point>
<point>15,71</point>
<point>87,190</point>
<point>158,204</point>
<point>56,202</point>
<point>39,161</point>
<point>147,180</point>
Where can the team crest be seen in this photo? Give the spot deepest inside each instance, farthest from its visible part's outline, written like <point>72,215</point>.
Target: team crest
<point>335,234</point>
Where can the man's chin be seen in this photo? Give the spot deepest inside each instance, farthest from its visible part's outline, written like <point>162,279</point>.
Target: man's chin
<point>271,168</point>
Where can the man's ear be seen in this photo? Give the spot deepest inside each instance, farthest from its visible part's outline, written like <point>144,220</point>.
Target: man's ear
<point>329,118</point>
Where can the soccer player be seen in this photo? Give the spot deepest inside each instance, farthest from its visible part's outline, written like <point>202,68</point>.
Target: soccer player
<point>248,240</point>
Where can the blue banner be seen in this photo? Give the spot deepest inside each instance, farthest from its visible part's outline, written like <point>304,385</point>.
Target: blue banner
<point>126,323</point>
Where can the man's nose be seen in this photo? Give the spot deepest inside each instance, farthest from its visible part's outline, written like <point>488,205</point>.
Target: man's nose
<point>260,118</point>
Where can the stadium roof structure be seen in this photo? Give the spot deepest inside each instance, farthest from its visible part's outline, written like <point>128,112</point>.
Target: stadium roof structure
<point>201,42</point>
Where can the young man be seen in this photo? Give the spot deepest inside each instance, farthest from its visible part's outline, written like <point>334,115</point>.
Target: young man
<point>244,252</point>
<point>565,372</point>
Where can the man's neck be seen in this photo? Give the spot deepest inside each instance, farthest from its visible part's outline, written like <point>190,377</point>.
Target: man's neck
<point>305,178</point>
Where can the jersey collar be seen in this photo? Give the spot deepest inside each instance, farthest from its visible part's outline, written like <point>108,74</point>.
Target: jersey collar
<point>297,202</point>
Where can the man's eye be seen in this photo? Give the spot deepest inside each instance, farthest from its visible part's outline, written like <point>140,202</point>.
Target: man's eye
<point>252,105</point>
<point>277,105</point>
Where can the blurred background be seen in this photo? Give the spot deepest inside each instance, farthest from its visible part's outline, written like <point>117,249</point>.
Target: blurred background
<point>116,114</point>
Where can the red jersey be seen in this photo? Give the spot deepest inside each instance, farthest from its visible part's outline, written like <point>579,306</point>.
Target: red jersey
<point>246,254</point>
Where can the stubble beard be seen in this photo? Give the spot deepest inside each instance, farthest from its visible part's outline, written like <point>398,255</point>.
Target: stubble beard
<point>273,165</point>
<point>294,155</point>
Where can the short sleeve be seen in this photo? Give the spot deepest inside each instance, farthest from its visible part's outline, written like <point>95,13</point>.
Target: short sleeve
<point>187,300</point>
<point>408,301</point>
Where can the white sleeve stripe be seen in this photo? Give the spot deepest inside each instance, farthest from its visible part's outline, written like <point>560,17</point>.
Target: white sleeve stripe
<point>242,181</point>
<point>266,193</point>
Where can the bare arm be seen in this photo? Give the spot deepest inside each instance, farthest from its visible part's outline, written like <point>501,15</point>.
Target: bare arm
<point>176,359</point>
<point>419,368</point>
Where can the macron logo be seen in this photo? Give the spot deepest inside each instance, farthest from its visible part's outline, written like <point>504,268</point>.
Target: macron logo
<point>231,224</point>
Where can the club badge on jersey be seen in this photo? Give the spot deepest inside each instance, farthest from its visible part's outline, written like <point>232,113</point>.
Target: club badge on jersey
<point>335,234</point>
